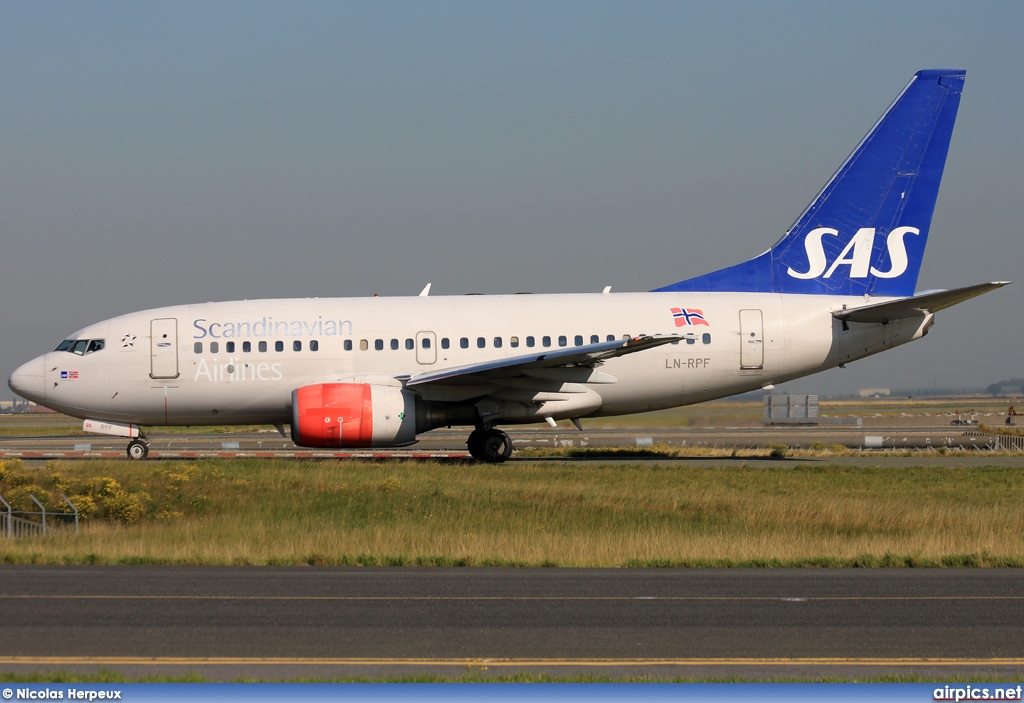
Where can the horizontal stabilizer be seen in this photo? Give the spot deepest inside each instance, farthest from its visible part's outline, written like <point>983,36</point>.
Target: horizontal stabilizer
<point>917,305</point>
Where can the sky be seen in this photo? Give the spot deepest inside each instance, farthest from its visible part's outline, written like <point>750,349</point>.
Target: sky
<point>162,153</point>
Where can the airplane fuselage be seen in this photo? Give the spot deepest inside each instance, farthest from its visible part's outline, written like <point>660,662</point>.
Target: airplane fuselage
<point>238,362</point>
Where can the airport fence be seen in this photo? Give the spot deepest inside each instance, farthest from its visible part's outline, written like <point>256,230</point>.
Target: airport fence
<point>1010,442</point>
<point>1007,442</point>
<point>33,523</point>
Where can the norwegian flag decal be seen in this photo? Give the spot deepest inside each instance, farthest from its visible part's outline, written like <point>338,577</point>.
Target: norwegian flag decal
<point>689,316</point>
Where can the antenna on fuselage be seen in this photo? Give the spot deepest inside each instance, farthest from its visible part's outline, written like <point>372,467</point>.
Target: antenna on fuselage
<point>425,292</point>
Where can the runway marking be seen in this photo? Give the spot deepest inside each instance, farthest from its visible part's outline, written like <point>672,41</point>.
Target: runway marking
<point>785,599</point>
<point>502,662</point>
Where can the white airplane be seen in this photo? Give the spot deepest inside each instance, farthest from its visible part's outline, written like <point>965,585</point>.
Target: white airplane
<point>377,372</point>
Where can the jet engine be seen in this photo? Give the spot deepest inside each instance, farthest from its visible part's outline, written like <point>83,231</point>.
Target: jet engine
<point>353,415</point>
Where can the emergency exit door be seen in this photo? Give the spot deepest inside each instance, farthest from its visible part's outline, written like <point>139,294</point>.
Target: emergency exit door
<point>163,348</point>
<point>426,348</point>
<point>751,339</point>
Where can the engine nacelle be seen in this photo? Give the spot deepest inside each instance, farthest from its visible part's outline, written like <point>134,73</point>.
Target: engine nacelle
<point>353,415</point>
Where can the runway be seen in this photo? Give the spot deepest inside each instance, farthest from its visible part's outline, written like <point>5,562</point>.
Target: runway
<point>277,623</point>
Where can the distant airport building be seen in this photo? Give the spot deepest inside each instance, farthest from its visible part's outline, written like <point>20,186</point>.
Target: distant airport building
<point>17,407</point>
<point>873,392</point>
<point>790,409</point>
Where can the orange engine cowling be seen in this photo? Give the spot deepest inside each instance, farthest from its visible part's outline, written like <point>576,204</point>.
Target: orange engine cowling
<point>352,415</point>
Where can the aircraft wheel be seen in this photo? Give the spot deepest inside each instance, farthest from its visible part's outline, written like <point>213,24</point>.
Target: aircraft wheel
<point>475,444</point>
<point>496,447</point>
<point>138,449</point>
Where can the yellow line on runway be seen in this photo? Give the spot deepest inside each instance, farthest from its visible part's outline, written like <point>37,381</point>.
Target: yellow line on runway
<point>794,599</point>
<point>499,662</point>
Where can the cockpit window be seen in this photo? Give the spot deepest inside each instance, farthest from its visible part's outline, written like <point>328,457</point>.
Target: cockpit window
<point>81,346</point>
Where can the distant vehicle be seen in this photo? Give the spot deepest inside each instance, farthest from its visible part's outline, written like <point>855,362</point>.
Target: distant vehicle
<point>377,372</point>
<point>969,421</point>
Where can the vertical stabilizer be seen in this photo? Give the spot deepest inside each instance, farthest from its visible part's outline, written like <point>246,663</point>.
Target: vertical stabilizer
<point>865,233</point>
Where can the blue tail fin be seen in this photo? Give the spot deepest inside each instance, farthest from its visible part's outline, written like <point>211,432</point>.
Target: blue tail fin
<point>866,231</point>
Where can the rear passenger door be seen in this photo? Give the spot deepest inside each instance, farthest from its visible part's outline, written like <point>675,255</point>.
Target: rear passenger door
<point>751,339</point>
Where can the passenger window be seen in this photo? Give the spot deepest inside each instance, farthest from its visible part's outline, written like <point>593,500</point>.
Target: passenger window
<point>94,346</point>
<point>363,345</point>
<point>594,339</point>
<point>394,344</point>
<point>409,344</point>
<point>691,339</point>
<point>229,347</point>
<point>513,341</point>
<point>530,341</point>
<point>279,346</point>
<point>481,342</point>
<point>297,345</point>
<point>445,343</point>
<point>579,340</point>
<point>80,346</point>
<point>197,347</point>
<point>706,338</point>
<point>464,343</point>
<point>347,345</point>
<point>315,345</point>
<point>497,342</point>
<point>425,342</point>
<point>562,341</point>
<point>214,347</point>
<point>247,347</point>
<point>545,341</point>
<point>378,344</point>
<point>610,338</point>
<point>262,346</point>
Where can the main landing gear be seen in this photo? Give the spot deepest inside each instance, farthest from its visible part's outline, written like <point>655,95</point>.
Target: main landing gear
<point>138,449</point>
<point>490,445</point>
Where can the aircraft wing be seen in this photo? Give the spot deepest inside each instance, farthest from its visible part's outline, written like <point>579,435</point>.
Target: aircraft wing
<point>917,305</point>
<point>587,355</point>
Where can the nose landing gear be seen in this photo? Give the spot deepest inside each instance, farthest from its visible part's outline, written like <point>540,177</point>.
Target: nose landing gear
<point>138,449</point>
<point>490,445</point>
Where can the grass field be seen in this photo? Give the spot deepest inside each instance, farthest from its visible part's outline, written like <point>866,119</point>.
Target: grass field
<point>640,513</point>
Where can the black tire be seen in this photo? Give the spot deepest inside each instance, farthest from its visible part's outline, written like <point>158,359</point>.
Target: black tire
<point>507,452</point>
<point>138,449</point>
<point>496,447</point>
<point>475,444</point>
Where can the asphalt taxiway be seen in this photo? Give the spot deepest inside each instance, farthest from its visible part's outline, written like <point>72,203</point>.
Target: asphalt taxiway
<point>441,444</point>
<point>274,623</point>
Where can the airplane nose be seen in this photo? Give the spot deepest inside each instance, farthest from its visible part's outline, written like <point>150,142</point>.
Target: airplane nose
<point>27,381</point>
